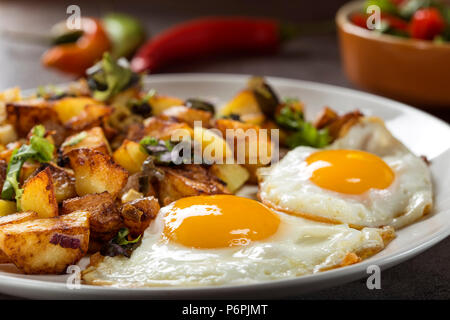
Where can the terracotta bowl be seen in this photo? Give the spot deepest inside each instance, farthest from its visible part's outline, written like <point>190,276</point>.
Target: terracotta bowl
<point>413,71</point>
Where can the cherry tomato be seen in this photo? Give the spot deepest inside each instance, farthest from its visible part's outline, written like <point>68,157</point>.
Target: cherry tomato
<point>426,24</point>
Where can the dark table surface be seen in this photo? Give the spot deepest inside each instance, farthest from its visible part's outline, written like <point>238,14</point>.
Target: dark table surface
<point>314,58</point>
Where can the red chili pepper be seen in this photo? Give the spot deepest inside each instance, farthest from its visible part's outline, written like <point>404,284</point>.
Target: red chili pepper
<point>427,23</point>
<point>77,57</point>
<point>208,36</point>
<point>394,22</point>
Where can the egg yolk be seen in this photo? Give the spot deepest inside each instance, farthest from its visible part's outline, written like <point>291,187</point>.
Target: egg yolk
<point>349,171</point>
<point>218,221</point>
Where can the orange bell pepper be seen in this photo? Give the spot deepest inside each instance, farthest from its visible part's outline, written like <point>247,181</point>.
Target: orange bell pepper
<point>76,57</point>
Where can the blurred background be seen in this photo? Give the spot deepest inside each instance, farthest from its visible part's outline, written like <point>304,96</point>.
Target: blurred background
<point>313,58</point>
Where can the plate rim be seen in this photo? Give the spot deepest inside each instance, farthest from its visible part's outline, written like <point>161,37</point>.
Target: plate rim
<point>353,271</point>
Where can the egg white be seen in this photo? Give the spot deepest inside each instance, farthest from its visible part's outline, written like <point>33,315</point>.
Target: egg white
<point>299,247</point>
<point>286,185</point>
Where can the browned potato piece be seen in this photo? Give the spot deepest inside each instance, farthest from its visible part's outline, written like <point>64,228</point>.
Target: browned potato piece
<point>160,103</point>
<point>188,180</point>
<point>63,181</point>
<point>234,175</point>
<point>325,118</point>
<point>94,139</point>
<point>70,107</point>
<point>39,195</point>
<point>46,246</point>
<point>12,219</point>
<point>138,214</point>
<point>161,129</point>
<point>130,156</point>
<point>28,169</point>
<point>187,115</point>
<point>96,172</point>
<point>337,125</point>
<point>24,115</point>
<point>92,116</point>
<point>104,216</point>
<point>247,142</point>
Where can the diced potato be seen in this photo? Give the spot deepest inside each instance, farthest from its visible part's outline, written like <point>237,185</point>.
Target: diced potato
<point>63,181</point>
<point>39,195</point>
<point>7,134</point>
<point>245,105</point>
<point>123,98</point>
<point>138,214</point>
<point>188,115</point>
<point>24,115</point>
<point>130,156</point>
<point>131,195</point>
<point>188,180</point>
<point>70,107</point>
<point>18,217</point>
<point>46,246</point>
<point>161,103</point>
<point>9,95</point>
<point>12,219</point>
<point>92,139</point>
<point>163,129</point>
<point>214,147</point>
<point>7,207</point>
<point>250,145</point>
<point>28,168</point>
<point>92,116</point>
<point>104,216</point>
<point>234,175</point>
<point>96,172</point>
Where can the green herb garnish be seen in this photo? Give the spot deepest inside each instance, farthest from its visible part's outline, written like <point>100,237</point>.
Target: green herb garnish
<point>302,133</point>
<point>122,238</point>
<point>75,139</point>
<point>159,150</point>
<point>39,149</point>
<point>109,77</point>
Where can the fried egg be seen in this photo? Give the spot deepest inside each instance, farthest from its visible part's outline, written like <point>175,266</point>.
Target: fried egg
<point>366,178</point>
<point>225,239</point>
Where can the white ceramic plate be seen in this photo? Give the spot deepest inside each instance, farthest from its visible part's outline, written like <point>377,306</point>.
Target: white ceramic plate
<point>422,133</point>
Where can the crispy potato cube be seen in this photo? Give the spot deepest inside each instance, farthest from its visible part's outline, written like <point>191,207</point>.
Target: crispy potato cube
<point>250,145</point>
<point>92,139</point>
<point>39,195</point>
<point>214,147</point>
<point>46,246</point>
<point>188,115</point>
<point>7,207</point>
<point>104,216</point>
<point>7,134</point>
<point>70,107</point>
<point>234,175</point>
<point>93,115</point>
<point>96,172</point>
<point>325,118</point>
<point>28,169</point>
<point>246,106</point>
<point>63,181</point>
<point>138,214</point>
<point>188,180</point>
<point>18,217</point>
<point>162,129</point>
<point>161,103</point>
<point>24,115</point>
<point>130,156</point>
<point>12,219</point>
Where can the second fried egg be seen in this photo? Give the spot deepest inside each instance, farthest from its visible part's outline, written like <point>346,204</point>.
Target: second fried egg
<point>366,178</point>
